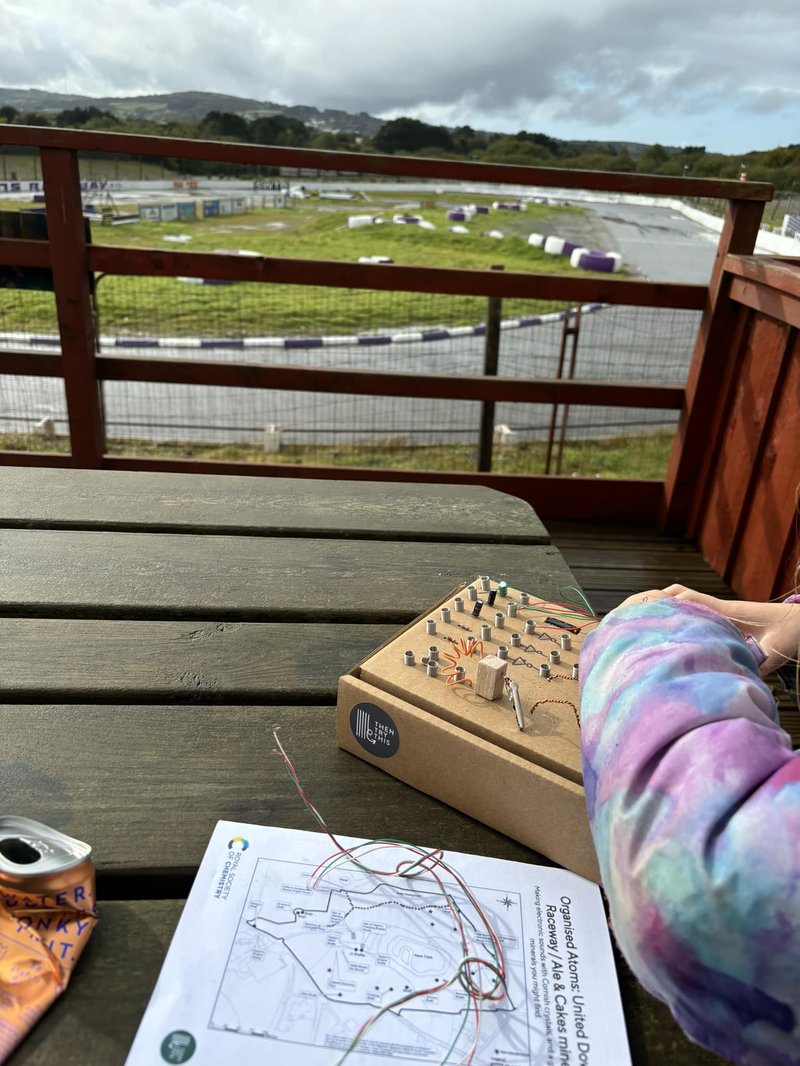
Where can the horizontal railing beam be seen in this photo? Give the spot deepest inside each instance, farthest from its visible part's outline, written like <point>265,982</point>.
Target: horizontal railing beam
<point>781,274</point>
<point>385,383</point>
<point>154,262</point>
<point>766,300</point>
<point>31,364</point>
<point>366,163</point>
<point>60,459</point>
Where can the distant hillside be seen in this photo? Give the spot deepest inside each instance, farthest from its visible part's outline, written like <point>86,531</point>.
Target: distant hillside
<point>180,107</point>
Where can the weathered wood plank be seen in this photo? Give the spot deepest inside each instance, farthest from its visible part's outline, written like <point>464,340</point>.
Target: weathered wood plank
<point>768,535</point>
<point>633,557</point>
<point>638,579</point>
<point>94,1022</point>
<point>202,503</point>
<point>116,776</point>
<point>52,573</point>
<point>602,533</point>
<point>186,662</point>
<point>552,496</point>
<point>742,442</point>
<point>612,560</point>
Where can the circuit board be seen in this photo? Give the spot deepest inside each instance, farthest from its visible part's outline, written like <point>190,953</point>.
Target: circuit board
<point>434,665</point>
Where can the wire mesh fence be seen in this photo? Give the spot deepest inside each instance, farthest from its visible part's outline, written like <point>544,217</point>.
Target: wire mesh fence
<point>332,328</point>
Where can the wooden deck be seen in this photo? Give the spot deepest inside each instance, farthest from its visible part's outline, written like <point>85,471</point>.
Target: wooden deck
<point>612,560</point>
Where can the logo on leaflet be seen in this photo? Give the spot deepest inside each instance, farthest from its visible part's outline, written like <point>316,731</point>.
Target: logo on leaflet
<point>238,844</point>
<point>178,1046</point>
<point>374,730</point>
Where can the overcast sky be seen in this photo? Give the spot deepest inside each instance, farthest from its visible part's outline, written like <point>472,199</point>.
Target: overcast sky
<point>723,73</point>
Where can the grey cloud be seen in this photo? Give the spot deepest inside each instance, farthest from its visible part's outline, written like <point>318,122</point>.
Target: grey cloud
<point>769,101</point>
<point>601,62</point>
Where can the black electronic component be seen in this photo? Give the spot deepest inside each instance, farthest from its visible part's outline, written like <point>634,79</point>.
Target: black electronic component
<point>476,610</point>
<point>491,597</point>
<point>559,624</point>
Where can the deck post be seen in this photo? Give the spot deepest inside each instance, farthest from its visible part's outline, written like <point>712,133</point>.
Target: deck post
<point>705,403</point>
<point>72,283</point>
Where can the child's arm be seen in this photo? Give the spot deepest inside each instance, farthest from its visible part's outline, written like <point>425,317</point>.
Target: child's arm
<point>694,800</point>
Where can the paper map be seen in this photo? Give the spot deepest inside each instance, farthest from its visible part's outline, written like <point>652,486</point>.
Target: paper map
<point>265,968</point>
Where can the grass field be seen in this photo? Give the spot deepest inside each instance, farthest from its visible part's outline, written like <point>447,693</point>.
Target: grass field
<point>307,229</point>
<point>642,456</point>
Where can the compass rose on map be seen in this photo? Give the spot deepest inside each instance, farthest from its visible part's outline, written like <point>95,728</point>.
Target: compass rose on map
<point>507,902</point>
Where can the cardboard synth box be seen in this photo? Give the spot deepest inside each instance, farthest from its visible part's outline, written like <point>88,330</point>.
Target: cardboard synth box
<point>467,751</point>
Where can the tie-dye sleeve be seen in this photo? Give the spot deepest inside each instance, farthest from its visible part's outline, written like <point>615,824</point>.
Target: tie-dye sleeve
<point>693,794</point>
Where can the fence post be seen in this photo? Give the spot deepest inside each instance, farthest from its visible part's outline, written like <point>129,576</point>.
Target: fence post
<point>574,334</point>
<point>491,357</point>
<point>567,331</point>
<point>69,260</point>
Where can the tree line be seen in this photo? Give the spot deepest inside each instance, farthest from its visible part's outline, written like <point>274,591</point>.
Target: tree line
<point>410,136</point>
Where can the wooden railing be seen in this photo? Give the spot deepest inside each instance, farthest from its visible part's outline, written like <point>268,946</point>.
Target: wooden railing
<point>735,484</point>
<point>72,261</point>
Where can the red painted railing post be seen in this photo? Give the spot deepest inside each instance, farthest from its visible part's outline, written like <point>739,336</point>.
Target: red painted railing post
<point>71,280</point>
<point>705,401</point>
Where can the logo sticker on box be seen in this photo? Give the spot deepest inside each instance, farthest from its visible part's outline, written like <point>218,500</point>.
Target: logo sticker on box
<point>374,730</point>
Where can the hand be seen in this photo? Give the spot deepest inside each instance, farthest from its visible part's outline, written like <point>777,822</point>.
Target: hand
<point>776,626</point>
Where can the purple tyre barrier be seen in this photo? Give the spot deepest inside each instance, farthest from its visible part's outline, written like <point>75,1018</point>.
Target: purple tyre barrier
<point>577,255</point>
<point>609,262</point>
<point>481,209</point>
<point>457,216</point>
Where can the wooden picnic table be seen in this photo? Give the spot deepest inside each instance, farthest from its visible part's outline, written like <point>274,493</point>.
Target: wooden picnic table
<point>157,627</point>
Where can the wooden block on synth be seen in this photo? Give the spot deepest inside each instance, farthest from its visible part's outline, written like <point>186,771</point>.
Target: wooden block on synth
<point>491,677</point>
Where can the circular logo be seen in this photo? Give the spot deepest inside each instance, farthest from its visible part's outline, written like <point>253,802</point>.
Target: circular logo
<point>178,1046</point>
<point>374,730</point>
<point>238,844</point>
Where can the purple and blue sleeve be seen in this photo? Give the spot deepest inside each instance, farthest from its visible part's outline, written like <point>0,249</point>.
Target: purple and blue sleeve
<point>693,795</point>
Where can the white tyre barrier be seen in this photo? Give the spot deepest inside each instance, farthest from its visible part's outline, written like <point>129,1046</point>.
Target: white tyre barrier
<point>424,224</point>
<point>494,233</point>
<point>554,245</point>
<point>575,258</point>
<point>375,259</point>
<point>536,239</point>
<point>357,221</point>
<point>459,229</point>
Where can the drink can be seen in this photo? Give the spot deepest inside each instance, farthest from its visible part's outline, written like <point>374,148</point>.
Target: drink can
<point>47,914</point>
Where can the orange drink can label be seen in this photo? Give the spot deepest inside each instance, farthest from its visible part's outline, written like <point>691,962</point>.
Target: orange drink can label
<point>47,914</point>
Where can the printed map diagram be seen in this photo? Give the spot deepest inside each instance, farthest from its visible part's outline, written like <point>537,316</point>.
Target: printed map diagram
<point>308,966</point>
